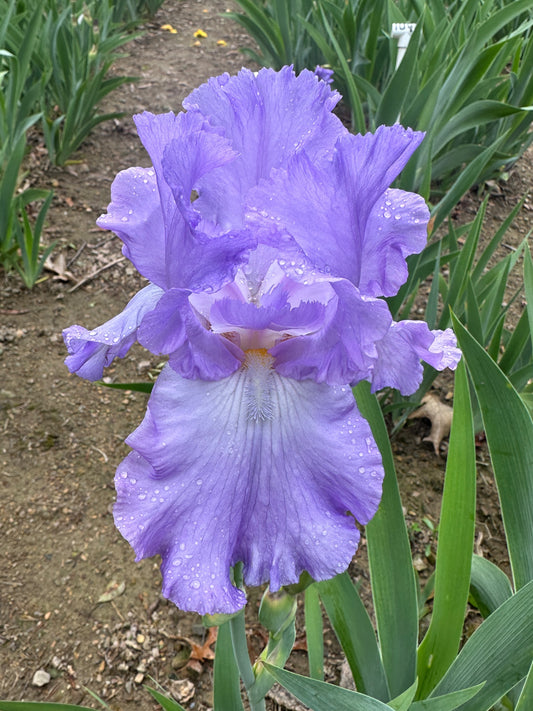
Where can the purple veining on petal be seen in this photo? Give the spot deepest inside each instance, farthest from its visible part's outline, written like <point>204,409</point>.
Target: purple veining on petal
<point>210,457</point>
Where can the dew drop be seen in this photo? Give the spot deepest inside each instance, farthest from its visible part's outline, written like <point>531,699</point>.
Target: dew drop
<point>195,584</point>
<point>141,497</point>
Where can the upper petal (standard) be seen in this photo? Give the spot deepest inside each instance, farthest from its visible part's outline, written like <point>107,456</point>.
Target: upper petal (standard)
<point>267,118</point>
<point>341,212</point>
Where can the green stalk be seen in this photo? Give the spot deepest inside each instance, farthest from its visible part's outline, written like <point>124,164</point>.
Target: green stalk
<point>240,650</point>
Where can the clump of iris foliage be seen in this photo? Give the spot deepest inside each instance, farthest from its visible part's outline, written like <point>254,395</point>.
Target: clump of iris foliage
<point>465,78</point>
<point>54,64</point>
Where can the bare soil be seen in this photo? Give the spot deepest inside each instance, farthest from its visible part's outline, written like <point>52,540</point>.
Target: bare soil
<point>61,438</point>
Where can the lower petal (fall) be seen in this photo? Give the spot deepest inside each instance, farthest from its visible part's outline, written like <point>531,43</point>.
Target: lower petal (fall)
<point>256,468</point>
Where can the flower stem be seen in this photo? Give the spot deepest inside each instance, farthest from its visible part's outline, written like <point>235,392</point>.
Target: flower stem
<point>240,650</point>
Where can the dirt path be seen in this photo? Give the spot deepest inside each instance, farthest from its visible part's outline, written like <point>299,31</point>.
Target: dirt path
<point>62,438</point>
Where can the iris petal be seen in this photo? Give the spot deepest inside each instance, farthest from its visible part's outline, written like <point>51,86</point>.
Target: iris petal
<point>400,351</point>
<point>343,350</point>
<point>254,468</point>
<point>341,212</point>
<point>91,351</point>
<point>267,118</point>
<point>174,328</point>
<point>135,215</point>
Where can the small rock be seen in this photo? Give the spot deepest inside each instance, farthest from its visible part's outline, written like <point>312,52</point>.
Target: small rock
<point>41,678</point>
<point>182,690</point>
<point>143,366</point>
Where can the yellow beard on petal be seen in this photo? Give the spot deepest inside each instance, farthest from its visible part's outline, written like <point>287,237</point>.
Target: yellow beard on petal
<point>258,392</point>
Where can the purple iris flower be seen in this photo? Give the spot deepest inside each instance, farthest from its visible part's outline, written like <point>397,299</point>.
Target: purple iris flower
<point>324,73</point>
<point>268,235</point>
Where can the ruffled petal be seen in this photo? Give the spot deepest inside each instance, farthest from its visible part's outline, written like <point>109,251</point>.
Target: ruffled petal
<point>254,468</point>
<point>197,254</point>
<point>267,117</point>
<point>134,214</point>
<point>396,228</point>
<point>274,312</point>
<point>156,131</point>
<point>173,327</point>
<point>91,351</point>
<point>341,212</point>
<point>401,350</point>
<point>344,349</point>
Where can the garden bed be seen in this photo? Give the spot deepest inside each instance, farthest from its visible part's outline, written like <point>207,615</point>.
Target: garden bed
<point>62,437</point>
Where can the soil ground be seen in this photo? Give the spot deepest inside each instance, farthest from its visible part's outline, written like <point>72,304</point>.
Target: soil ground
<point>61,438</point>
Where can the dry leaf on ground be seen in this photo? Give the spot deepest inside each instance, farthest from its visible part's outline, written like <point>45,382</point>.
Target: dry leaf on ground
<point>440,416</point>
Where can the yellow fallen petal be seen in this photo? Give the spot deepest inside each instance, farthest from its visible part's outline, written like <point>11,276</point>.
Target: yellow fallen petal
<point>222,43</point>
<point>200,33</point>
<point>197,43</point>
<point>169,28</point>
